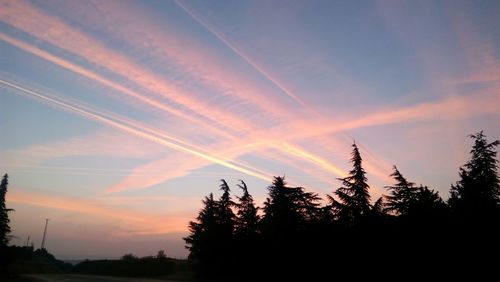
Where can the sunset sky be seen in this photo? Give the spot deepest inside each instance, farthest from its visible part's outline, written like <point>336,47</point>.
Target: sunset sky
<point>118,117</point>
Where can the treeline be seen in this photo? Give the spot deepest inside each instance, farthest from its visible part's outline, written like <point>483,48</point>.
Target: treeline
<point>131,266</point>
<point>298,234</point>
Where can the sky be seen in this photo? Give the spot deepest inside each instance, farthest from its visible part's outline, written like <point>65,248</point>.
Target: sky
<point>118,117</point>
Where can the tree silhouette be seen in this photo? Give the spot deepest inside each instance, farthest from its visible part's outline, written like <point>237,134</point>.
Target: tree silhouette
<point>247,221</point>
<point>286,225</point>
<point>428,205</point>
<point>225,215</point>
<point>4,213</point>
<point>354,198</point>
<point>224,254</point>
<point>203,231</point>
<point>295,231</point>
<point>246,238</point>
<point>378,207</point>
<point>280,216</point>
<point>477,193</point>
<point>403,194</point>
<point>286,209</point>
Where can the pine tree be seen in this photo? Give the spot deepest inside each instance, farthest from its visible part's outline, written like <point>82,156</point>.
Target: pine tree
<point>225,214</point>
<point>403,194</point>
<point>246,237</point>
<point>353,198</point>
<point>477,193</point>
<point>288,209</point>
<point>279,213</point>
<point>247,219</point>
<point>428,204</point>
<point>4,213</point>
<point>225,218</point>
<point>203,231</point>
<point>378,207</point>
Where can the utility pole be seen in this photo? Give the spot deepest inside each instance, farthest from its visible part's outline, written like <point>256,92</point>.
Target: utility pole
<point>44,233</point>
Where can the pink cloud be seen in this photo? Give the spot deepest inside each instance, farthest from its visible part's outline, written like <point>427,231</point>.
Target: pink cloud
<point>101,143</point>
<point>48,28</point>
<point>133,221</point>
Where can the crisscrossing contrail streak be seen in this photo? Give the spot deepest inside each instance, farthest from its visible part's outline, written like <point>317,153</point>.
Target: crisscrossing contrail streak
<point>242,55</point>
<point>161,139</point>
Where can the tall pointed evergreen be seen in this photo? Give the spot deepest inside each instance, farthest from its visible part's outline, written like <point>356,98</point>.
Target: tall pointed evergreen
<point>203,231</point>
<point>477,193</point>
<point>4,213</point>
<point>247,218</point>
<point>353,198</point>
<point>402,194</point>
<point>225,215</point>
<point>246,235</point>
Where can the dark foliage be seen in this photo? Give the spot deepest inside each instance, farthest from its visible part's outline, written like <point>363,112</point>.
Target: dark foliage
<point>203,232</point>
<point>477,194</point>
<point>352,200</point>
<point>402,195</point>
<point>4,213</point>
<point>297,237</point>
<point>25,260</point>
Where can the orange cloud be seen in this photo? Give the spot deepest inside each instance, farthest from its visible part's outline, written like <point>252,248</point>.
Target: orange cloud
<point>453,108</point>
<point>138,178</point>
<point>135,221</point>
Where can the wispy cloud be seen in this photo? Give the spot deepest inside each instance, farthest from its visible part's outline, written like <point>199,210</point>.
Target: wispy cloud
<point>161,139</point>
<point>35,22</point>
<point>243,56</point>
<point>134,220</point>
<point>237,130</point>
<point>102,143</point>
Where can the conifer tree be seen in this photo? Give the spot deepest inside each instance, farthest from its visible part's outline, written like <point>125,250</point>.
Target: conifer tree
<point>247,219</point>
<point>203,231</point>
<point>353,198</point>
<point>279,213</point>
<point>428,204</point>
<point>225,214</point>
<point>477,193</point>
<point>4,213</point>
<point>288,209</point>
<point>403,194</point>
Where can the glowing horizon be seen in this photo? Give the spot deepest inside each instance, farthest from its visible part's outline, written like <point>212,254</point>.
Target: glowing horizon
<point>108,102</point>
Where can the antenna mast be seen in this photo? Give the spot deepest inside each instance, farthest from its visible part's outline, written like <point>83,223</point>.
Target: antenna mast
<point>44,233</point>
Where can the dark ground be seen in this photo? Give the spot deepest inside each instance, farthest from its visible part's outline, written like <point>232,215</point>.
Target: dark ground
<point>77,278</point>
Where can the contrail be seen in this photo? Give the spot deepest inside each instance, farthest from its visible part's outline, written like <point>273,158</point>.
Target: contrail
<point>278,84</point>
<point>164,140</point>
<point>236,50</point>
<point>91,75</point>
